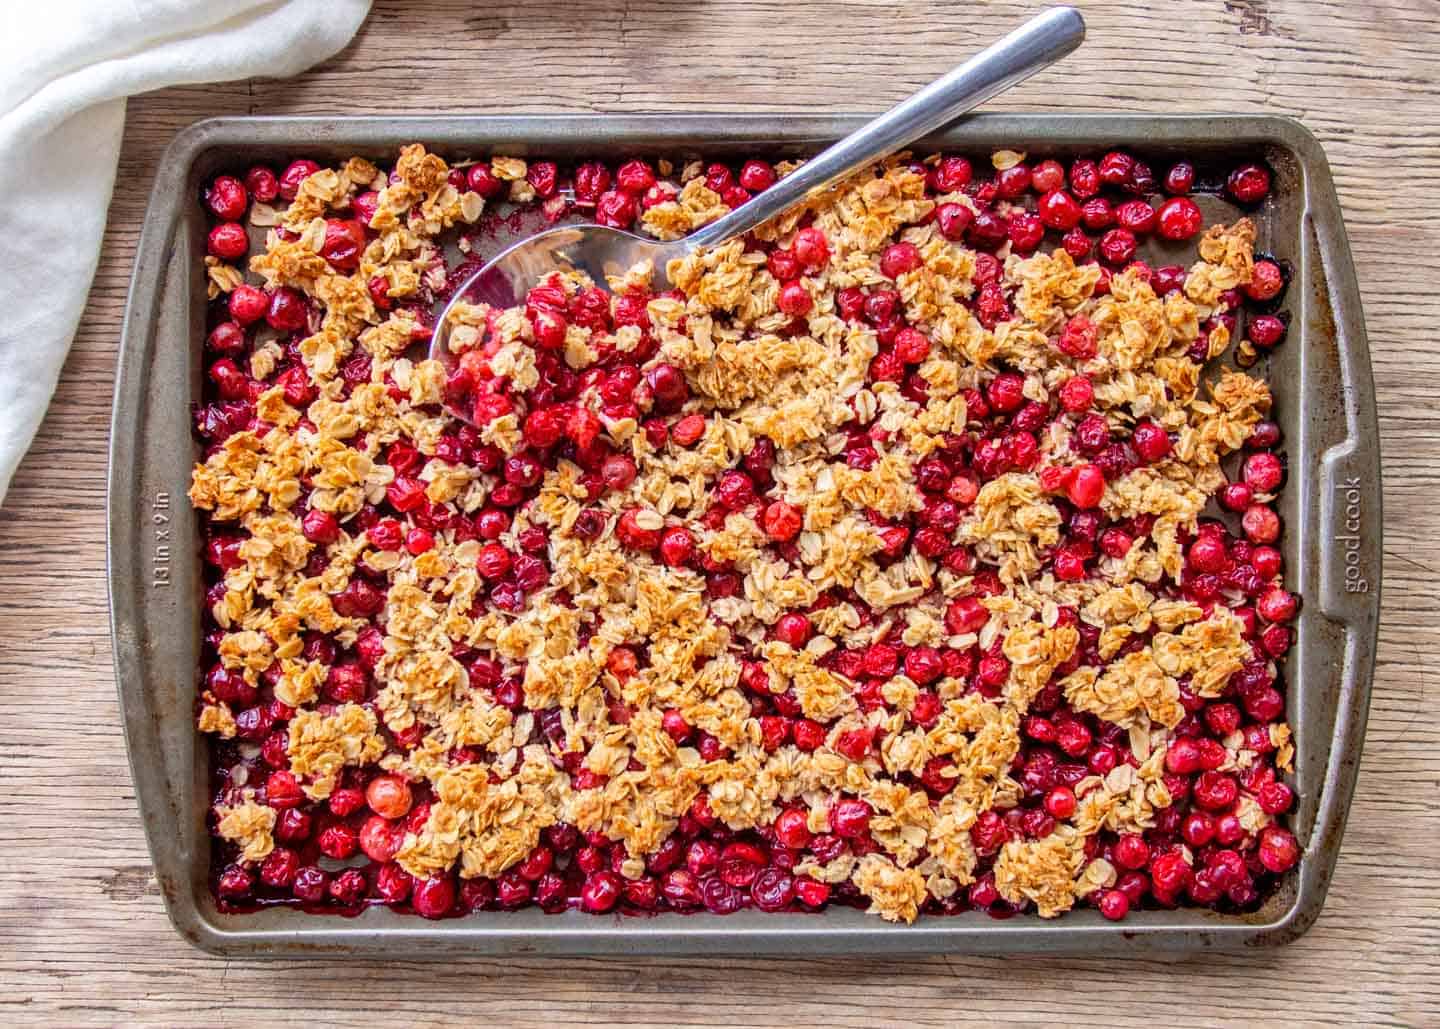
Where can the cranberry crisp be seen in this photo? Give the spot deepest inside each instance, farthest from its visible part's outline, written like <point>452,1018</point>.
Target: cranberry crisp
<point>886,559</point>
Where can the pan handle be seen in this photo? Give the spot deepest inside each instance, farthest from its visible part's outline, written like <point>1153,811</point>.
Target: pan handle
<point>1348,537</point>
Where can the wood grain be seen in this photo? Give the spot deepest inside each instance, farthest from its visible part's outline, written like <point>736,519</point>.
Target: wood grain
<point>83,938</point>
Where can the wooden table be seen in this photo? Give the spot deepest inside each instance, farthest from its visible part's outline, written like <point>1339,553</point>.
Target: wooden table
<point>83,937</point>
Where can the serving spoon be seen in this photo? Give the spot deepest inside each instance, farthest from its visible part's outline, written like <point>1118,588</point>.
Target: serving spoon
<point>599,251</point>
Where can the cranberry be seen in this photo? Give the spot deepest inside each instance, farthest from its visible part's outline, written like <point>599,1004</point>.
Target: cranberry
<point>616,209</point>
<point>310,884</point>
<point>1059,210</point>
<point>1266,282</point>
<point>794,299</point>
<point>228,241</point>
<point>235,882</point>
<point>1265,330</point>
<point>1261,524</point>
<point>293,826</point>
<point>1279,851</point>
<point>952,174</point>
<point>434,897</point>
<point>1137,216</point>
<point>1215,791</point>
<point>667,385</point>
<point>899,258</point>
<point>1150,441</point>
<point>287,312</point>
<point>262,184</point>
<point>1013,182</point>
<point>343,244</point>
<point>227,198</point>
<point>850,818</point>
<point>1096,214</point>
<point>389,796</point>
<point>953,220</point>
<point>293,176</point>
<point>987,232</point>
<point>1084,178</point>
<point>591,179</point>
<point>1131,851</point>
<point>1086,487</point>
<point>1179,218</point>
<point>1117,246</point>
<point>781,521</point>
<point>1026,231</point>
<point>1249,183</point>
<point>1116,168</point>
<point>338,841</point>
<point>1113,904</point>
<point>1060,802</point>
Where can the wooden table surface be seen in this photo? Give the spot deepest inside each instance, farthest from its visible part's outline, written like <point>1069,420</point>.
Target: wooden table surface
<point>83,937</point>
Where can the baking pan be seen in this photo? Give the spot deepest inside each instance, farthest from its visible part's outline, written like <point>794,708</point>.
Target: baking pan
<point>1325,403</point>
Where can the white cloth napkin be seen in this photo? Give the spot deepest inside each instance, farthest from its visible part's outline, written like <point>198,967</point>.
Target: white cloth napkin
<point>66,67</point>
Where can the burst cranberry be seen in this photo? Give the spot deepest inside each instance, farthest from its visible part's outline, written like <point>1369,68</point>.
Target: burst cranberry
<point>1179,218</point>
<point>677,546</point>
<point>1096,214</point>
<point>338,841</point>
<point>1079,339</point>
<point>850,818</point>
<point>1117,246</point>
<point>1137,216</point>
<point>811,249</point>
<point>1084,178</point>
<point>781,521</point>
<point>293,176</point>
<point>735,491</point>
<point>615,209</point>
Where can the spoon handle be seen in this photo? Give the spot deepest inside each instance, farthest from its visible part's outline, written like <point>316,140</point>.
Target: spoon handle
<point>1038,43</point>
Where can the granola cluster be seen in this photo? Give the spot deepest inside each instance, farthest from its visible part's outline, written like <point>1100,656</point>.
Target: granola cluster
<point>803,584</point>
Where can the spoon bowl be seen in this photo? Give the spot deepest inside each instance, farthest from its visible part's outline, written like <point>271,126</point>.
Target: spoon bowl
<point>598,251</point>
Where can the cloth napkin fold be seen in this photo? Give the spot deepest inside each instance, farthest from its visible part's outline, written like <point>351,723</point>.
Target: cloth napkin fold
<point>66,67</point>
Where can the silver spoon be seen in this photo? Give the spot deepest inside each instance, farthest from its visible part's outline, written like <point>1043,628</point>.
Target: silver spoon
<point>599,251</point>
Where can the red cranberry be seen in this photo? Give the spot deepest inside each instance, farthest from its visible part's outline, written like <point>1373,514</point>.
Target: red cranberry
<point>262,184</point>
<point>850,818</point>
<point>1266,281</point>
<point>757,176</point>
<point>899,258</point>
<point>287,311</point>
<point>1113,904</point>
<point>1180,178</point>
<point>952,174</point>
<point>434,897</point>
<point>1059,210</point>
<point>1179,218</point>
<point>1151,442</point>
<point>235,882</point>
<point>1279,851</point>
<point>1086,487</point>
<point>1137,216</point>
<point>291,177</point>
<point>338,841</point>
<point>615,209</point>
<point>1096,214</point>
<point>1012,183</point>
<point>1117,246</point>
<point>1265,330</point>
<point>953,220</point>
<point>228,241</point>
<point>227,198</point>
<point>1249,183</point>
<point>1084,178</point>
<point>1026,231</point>
<point>1261,524</point>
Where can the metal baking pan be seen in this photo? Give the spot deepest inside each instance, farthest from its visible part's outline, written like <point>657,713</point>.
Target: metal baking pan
<point>1325,402</point>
